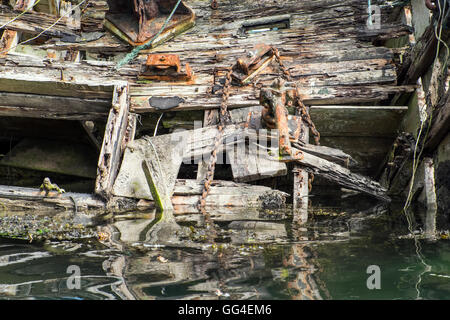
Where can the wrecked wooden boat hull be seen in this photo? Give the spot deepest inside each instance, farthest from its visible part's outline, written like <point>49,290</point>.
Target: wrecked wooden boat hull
<point>344,79</point>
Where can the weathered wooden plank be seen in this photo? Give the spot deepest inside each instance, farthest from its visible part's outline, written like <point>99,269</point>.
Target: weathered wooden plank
<point>330,154</point>
<point>196,97</point>
<point>52,107</point>
<point>250,162</point>
<point>33,84</point>
<point>420,58</point>
<point>166,154</point>
<point>111,153</point>
<point>343,176</point>
<point>36,22</point>
<point>32,199</point>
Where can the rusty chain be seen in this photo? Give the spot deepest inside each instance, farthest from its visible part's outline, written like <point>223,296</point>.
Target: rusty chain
<point>310,181</point>
<point>301,106</point>
<point>224,118</point>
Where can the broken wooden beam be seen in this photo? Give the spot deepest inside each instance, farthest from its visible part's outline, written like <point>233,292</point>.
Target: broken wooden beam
<point>115,131</point>
<point>343,176</point>
<point>301,186</point>
<point>33,199</point>
<point>440,123</point>
<point>36,22</point>
<point>52,107</point>
<point>157,183</point>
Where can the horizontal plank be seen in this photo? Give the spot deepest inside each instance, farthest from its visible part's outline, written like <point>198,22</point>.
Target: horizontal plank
<point>53,107</point>
<point>23,83</point>
<point>198,98</point>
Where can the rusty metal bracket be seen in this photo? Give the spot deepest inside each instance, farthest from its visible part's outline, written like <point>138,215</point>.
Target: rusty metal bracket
<point>255,60</point>
<point>165,67</point>
<point>138,21</point>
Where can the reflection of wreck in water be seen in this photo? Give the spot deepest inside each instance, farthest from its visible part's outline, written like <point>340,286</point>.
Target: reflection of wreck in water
<point>260,77</point>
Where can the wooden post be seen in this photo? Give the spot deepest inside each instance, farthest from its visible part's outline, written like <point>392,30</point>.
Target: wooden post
<point>112,147</point>
<point>431,202</point>
<point>301,189</point>
<point>210,119</point>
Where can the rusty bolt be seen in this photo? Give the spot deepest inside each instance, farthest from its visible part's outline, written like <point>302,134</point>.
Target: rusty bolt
<point>214,4</point>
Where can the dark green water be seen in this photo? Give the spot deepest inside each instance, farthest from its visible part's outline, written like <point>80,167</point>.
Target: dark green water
<point>327,259</point>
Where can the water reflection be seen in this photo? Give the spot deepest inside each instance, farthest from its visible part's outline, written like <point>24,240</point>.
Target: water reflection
<point>157,258</point>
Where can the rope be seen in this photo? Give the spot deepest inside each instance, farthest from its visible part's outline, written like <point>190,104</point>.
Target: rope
<point>369,4</point>
<point>46,29</point>
<point>21,14</point>
<point>136,50</point>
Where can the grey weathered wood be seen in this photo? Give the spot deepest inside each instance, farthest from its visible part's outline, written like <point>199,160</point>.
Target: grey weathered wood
<point>36,22</point>
<point>330,154</point>
<point>164,152</point>
<point>250,162</point>
<point>440,124</point>
<point>229,200</point>
<point>195,143</point>
<point>52,107</point>
<point>209,119</point>
<point>111,153</point>
<point>301,186</point>
<point>196,97</point>
<point>157,184</point>
<point>431,201</point>
<point>343,176</point>
<point>32,199</point>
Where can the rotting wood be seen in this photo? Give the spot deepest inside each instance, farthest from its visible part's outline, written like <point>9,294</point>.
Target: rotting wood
<point>301,185</point>
<point>440,123</point>
<point>431,201</point>
<point>157,183</point>
<point>327,67</point>
<point>419,58</point>
<point>199,142</point>
<point>24,199</point>
<point>343,176</point>
<point>53,107</point>
<point>111,153</point>
<point>36,22</point>
<point>249,161</point>
<point>196,97</point>
<point>8,40</point>
<point>210,119</point>
<point>166,155</point>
